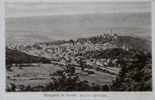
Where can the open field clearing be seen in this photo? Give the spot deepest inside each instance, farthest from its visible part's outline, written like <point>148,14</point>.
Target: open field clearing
<point>41,74</point>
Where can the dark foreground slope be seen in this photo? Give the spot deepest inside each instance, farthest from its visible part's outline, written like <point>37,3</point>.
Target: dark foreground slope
<point>18,57</point>
<point>135,75</point>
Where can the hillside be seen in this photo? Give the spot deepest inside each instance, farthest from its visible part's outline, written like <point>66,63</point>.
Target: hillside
<point>101,63</point>
<point>18,57</point>
<point>108,53</point>
<point>121,42</point>
<point>96,46</point>
<point>133,42</point>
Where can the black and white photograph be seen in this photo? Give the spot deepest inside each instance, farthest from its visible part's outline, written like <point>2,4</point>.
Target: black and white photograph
<point>78,46</point>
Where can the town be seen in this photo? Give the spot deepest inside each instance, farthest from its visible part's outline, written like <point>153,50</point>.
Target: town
<point>84,58</point>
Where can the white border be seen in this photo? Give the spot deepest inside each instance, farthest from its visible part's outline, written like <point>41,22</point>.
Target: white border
<point>41,96</point>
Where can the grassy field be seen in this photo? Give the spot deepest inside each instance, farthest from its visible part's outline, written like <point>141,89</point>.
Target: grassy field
<point>41,74</point>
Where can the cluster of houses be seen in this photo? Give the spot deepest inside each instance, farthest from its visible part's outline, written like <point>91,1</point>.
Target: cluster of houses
<point>71,53</point>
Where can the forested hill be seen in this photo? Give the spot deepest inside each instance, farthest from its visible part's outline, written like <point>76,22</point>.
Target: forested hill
<point>134,42</point>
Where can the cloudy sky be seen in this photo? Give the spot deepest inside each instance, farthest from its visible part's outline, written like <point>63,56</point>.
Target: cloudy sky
<point>16,8</point>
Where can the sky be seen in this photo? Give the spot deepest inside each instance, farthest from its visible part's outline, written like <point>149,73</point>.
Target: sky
<point>16,8</point>
<point>121,17</point>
